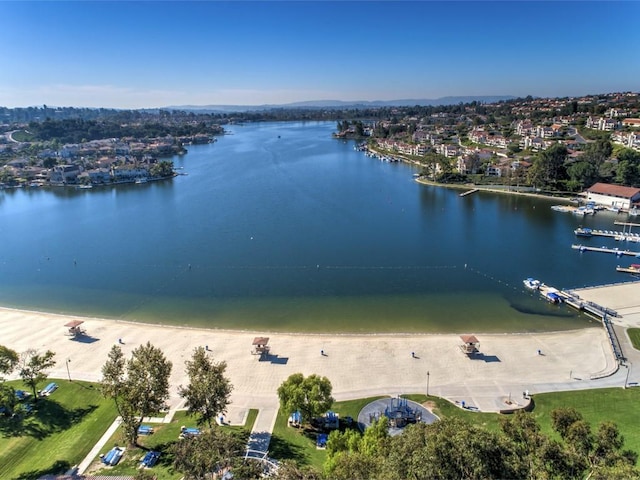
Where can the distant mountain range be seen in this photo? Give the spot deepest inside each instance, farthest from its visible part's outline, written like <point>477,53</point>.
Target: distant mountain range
<point>315,104</point>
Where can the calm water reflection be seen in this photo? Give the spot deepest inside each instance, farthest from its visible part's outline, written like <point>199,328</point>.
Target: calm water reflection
<point>280,227</point>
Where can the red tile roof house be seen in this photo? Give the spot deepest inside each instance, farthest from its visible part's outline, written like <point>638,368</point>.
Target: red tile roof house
<point>613,195</point>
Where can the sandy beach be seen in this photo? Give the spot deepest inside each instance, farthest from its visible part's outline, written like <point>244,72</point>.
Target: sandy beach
<point>357,365</point>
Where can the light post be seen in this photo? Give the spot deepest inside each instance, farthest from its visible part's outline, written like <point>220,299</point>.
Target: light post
<point>67,364</point>
<point>427,383</point>
<point>626,380</point>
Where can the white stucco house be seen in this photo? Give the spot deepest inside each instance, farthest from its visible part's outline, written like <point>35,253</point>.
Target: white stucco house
<point>613,195</point>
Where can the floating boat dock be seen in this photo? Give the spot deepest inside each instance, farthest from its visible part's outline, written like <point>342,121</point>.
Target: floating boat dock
<point>591,308</point>
<point>615,251</point>
<point>590,232</point>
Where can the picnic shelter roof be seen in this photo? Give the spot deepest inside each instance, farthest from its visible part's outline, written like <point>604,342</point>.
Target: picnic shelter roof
<point>469,339</point>
<point>74,323</point>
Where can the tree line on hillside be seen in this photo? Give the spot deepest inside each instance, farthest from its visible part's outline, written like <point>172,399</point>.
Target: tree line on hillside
<point>79,130</point>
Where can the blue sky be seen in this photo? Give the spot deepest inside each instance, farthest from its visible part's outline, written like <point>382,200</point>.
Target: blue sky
<point>153,54</point>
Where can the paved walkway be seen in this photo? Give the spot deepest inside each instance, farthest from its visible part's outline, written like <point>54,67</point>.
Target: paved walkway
<point>91,456</point>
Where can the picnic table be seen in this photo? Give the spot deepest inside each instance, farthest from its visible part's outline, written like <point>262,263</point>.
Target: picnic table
<point>145,430</point>
<point>150,459</point>
<point>189,432</point>
<point>49,389</point>
<point>113,456</point>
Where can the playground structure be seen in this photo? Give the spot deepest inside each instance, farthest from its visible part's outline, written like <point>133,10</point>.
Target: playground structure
<point>330,420</point>
<point>399,412</point>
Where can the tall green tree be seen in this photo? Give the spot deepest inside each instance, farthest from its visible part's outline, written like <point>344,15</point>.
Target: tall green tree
<point>310,395</point>
<point>139,386</point>
<point>548,168</point>
<point>33,368</point>
<point>163,168</point>
<point>208,391</point>
<point>628,168</point>
<point>215,451</point>
<point>451,448</point>
<point>8,360</point>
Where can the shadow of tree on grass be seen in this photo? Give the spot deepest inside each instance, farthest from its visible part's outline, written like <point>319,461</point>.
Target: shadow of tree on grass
<point>283,450</point>
<point>59,466</point>
<point>47,417</point>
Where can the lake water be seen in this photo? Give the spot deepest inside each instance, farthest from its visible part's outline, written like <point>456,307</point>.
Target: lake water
<point>280,227</point>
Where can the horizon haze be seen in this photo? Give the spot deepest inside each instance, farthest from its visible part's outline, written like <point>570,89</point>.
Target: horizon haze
<point>149,54</point>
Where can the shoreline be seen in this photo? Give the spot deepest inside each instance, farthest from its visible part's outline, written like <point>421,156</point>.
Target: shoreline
<point>358,365</point>
<point>482,188</point>
<point>67,316</point>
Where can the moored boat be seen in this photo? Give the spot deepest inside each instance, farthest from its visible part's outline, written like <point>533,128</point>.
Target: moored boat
<point>633,268</point>
<point>531,284</point>
<point>583,232</point>
<point>552,296</point>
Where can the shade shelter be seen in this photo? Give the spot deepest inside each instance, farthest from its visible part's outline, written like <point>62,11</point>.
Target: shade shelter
<point>260,346</point>
<point>470,344</point>
<point>75,328</point>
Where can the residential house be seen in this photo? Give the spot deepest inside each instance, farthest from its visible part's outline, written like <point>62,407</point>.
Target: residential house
<point>97,175</point>
<point>631,122</point>
<point>493,171</point>
<point>447,150</point>
<point>69,151</point>
<point>604,124</point>
<point>524,128</point>
<point>545,132</point>
<point>128,173</point>
<point>64,174</point>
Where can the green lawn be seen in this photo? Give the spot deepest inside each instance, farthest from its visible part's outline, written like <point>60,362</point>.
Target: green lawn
<point>634,335</point>
<point>58,434</point>
<point>612,404</point>
<point>161,439</point>
<point>22,136</point>
<point>609,404</point>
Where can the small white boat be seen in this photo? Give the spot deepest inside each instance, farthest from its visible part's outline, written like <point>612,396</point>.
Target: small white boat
<point>141,180</point>
<point>531,284</point>
<point>583,232</point>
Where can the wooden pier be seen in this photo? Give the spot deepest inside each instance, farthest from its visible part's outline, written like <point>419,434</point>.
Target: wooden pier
<point>615,251</point>
<point>469,192</point>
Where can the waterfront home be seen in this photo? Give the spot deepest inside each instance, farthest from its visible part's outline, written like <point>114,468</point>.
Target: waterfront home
<point>128,173</point>
<point>613,195</point>
<point>63,174</point>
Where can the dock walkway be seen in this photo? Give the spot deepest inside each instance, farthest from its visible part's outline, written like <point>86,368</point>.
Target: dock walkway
<point>598,311</point>
<point>615,251</point>
<point>620,236</point>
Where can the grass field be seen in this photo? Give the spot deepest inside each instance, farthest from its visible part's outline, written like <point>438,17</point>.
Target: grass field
<point>612,404</point>
<point>65,426</point>
<point>22,136</point>
<point>634,335</point>
<point>161,439</point>
<point>58,434</point>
